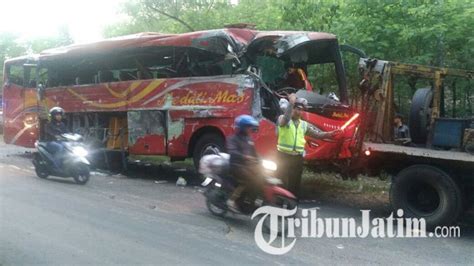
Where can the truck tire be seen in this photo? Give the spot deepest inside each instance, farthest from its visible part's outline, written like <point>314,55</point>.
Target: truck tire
<point>424,191</point>
<point>420,115</point>
<point>210,143</point>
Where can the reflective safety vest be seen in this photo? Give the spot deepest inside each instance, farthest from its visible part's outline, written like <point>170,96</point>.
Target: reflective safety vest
<point>290,138</point>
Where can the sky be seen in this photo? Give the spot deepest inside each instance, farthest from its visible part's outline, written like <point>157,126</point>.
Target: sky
<point>85,19</point>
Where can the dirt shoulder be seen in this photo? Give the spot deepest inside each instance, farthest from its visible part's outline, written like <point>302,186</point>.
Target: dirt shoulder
<point>363,192</point>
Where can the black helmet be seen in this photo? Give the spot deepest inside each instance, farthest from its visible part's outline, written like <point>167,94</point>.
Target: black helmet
<point>56,110</point>
<point>398,115</point>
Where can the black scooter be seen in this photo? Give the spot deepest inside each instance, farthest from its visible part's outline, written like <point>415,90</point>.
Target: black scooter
<point>74,161</point>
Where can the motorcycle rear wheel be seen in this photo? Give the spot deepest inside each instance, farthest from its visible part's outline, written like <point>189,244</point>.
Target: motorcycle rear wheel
<point>40,167</point>
<point>215,210</point>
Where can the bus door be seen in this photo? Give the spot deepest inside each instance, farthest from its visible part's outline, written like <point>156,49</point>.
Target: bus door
<point>147,132</point>
<point>21,104</point>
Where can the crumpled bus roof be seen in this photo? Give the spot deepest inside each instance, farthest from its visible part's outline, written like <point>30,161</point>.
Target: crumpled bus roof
<point>211,40</point>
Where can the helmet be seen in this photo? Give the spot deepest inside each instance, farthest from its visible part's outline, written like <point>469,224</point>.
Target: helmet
<point>283,104</point>
<point>56,110</point>
<point>244,121</point>
<point>301,102</point>
<point>398,115</point>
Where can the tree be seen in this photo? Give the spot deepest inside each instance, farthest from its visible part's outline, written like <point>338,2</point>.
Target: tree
<point>187,15</point>
<point>11,46</point>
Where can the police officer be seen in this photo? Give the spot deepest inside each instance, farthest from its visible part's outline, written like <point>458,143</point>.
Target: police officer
<point>291,141</point>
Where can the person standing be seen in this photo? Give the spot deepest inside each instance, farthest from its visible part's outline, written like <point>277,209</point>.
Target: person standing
<point>291,142</point>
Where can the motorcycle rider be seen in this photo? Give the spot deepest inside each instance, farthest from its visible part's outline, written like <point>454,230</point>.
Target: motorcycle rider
<point>291,141</point>
<point>53,130</point>
<point>244,160</point>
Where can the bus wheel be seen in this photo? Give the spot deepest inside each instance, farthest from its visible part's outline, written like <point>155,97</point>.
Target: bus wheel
<point>207,144</point>
<point>424,191</point>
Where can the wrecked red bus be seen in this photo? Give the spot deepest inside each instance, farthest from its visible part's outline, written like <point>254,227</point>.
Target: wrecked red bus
<point>177,94</point>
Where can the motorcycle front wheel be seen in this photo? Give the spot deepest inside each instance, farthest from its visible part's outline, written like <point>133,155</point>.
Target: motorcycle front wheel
<point>214,209</point>
<point>82,174</point>
<point>215,202</point>
<point>282,226</point>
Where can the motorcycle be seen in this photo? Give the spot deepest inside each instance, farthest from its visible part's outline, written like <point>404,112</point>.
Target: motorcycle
<point>74,161</point>
<point>219,186</point>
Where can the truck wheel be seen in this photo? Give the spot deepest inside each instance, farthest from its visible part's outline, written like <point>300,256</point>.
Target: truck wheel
<point>207,144</point>
<point>420,115</point>
<point>424,191</point>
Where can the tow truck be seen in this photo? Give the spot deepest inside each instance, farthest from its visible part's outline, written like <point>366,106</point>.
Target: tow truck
<point>433,171</point>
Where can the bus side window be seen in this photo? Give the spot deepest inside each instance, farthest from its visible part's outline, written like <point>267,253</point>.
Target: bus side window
<point>16,74</point>
<point>53,79</point>
<point>125,75</point>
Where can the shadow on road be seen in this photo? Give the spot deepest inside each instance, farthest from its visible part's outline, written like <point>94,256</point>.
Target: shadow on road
<point>67,181</point>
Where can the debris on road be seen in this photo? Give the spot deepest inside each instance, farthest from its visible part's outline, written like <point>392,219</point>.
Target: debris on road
<point>181,181</point>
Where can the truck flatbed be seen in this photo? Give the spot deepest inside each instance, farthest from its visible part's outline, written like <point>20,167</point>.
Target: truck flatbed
<point>419,152</point>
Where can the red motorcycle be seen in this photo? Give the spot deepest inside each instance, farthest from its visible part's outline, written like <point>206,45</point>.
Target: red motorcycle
<point>219,186</point>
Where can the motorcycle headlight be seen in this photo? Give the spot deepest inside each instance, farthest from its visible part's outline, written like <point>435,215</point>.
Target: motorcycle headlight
<point>79,151</point>
<point>269,165</point>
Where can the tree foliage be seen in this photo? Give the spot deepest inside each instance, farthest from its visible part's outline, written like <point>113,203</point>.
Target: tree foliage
<point>12,46</point>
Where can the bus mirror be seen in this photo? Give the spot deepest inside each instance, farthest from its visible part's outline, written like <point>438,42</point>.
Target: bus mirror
<point>40,92</point>
<point>235,60</point>
<point>229,49</point>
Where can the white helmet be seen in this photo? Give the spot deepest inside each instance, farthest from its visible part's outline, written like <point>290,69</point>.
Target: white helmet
<point>56,110</point>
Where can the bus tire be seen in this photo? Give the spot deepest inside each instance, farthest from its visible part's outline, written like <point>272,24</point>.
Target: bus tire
<point>210,143</point>
<point>424,191</point>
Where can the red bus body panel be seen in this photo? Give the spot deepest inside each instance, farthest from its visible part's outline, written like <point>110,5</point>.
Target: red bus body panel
<point>20,110</point>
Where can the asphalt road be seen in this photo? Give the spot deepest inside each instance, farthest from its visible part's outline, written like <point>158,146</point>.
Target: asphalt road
<point>122,220</point>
